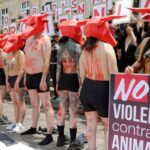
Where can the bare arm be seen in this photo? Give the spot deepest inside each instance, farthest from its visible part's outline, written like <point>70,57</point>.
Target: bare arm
<point>82,68</point>
<point>46,49</point>
<point>112,62</point>
<point>138,64</point>
<point>21,58</point>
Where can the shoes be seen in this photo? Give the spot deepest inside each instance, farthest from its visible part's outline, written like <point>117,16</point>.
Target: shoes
<point>61,141</point>
<point>47,140</point>
<point>18,128</point>
<point>4,121</point>
<point>11,126</point>
<point>29,131</point>
<point>78,143</point>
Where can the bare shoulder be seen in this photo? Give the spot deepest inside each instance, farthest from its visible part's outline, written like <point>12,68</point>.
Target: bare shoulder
<point>20,53</point>
<point>45,37</point>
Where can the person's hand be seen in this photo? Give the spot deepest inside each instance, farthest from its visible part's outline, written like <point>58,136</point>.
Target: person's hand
<point>78,93</point>
<point>129,29</point>
<point>43,85</point>
<point>129,69</point>
<point>8,86</point>
<point>16,86</point>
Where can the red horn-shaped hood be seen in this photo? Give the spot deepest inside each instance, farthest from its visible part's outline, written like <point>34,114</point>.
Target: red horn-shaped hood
<point>2,43</point>
<point>13,43</point>
<point>3,35</point>
<point>72,29</point>
<point>98,27</point>
<point>142,11</point>
<point>34,25</point>
<point>3,39</point>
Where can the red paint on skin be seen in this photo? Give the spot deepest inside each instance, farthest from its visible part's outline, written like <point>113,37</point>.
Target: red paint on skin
<point>88,136</point>
<point>30,62</point>
<point>1,63</point>
<point>68,64</point>
<point>60,111</point>
<point>94,66</point>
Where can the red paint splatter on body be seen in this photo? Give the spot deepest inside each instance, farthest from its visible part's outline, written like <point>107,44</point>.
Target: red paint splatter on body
<point>60,111</point>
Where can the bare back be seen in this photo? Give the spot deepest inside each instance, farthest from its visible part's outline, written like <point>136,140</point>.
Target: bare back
<point>99,63</point>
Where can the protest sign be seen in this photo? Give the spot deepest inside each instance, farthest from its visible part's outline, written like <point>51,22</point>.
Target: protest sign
<point>144,4</point>
<point>129,112</point>
<point>99,10</point>
<point>13,27</point>
<point>81,7</point>
<point>121,10</point>
<point>49,26</point>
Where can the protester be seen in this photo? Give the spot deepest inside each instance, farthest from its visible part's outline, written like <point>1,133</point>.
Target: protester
<point>3,119</point>
<point>67,77</point>
<point>97,62</point>
<point>14,70</point>
<point>38,51</point>
<point>144,55</point>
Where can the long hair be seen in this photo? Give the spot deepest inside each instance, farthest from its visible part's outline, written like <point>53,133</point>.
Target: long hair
<point>63,40</point>
<point>90,43</point>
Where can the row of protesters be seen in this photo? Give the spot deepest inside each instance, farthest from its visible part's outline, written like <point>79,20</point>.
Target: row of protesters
<point>33,65</point>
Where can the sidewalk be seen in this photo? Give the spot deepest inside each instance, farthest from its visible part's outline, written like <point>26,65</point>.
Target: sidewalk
<point>33,140</point>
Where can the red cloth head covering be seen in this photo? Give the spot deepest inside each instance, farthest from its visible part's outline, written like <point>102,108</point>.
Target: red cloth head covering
<point>34,25</point>
<point>98,27</point>
<point>143,11</point>
<point>72,29</point>
<point>3,39</point>
<point>13,43</point>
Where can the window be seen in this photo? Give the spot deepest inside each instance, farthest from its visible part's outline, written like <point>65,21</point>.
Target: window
<point>3,12</point>
<point>25,8</point>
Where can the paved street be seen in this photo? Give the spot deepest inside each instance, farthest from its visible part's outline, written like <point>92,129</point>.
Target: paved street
<point>33,141</point>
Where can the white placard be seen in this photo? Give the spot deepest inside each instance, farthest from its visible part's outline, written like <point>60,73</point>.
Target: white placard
<point>58,12</point>
<point>47,9</point>
<point>121,10</point>
<point>5,29</point>
<point>63,4</point>
<point>13,27</point>
<point>95,2</point>
<point>54,6</point>
<point>81,7</point>
<point>68,11</point>
<point>6,20</point>
<point>63,17</point>
<point>49,26</point>
<point>144,4</point>
<point>78,16</point>
<point>109,4</point>
<point>99,10</point>
<point>74,5</point>
<point>34,10</point>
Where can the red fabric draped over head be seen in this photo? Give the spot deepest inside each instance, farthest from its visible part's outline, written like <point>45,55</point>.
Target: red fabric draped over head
<point>34,25</point>
<point>143,11</point>
<point>13,43</point>
<point>3,39</point>
<point>72,29</point>
<point>98,27</point>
